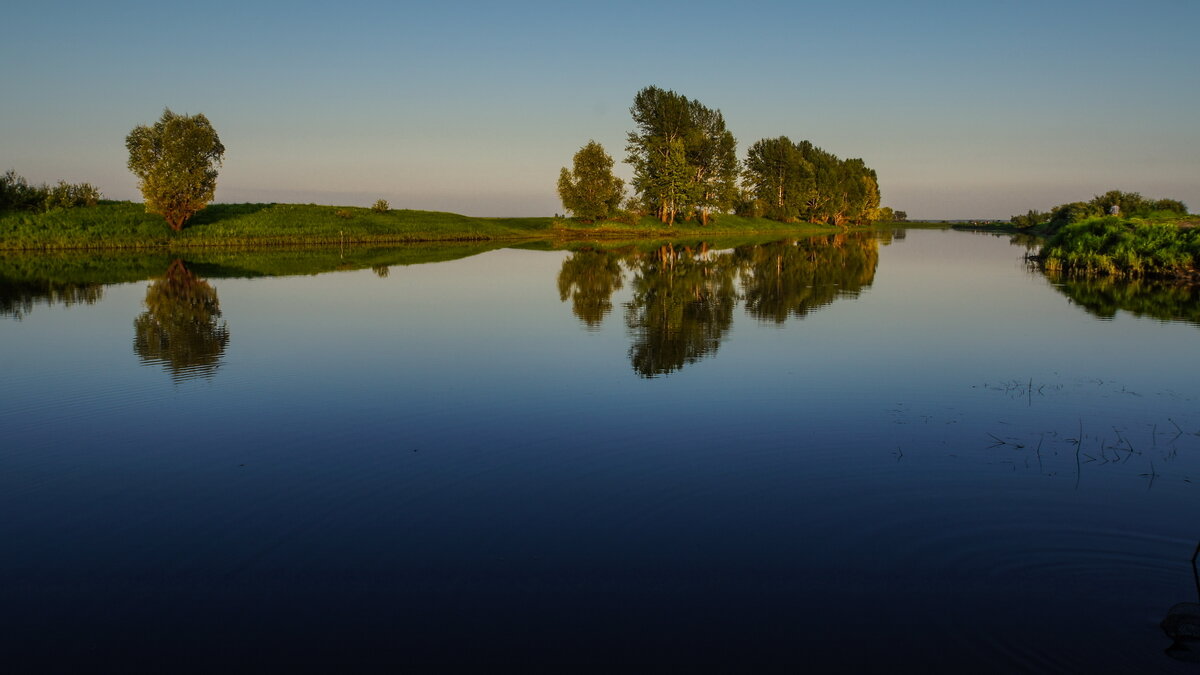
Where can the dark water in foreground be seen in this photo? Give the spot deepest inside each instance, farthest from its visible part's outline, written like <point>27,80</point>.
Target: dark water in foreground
<point>848,455</point>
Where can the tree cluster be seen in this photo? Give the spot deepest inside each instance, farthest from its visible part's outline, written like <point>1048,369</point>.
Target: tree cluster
<point>16,194</point>
<point>1113,202</point>
<point>685,166</point>
<point>795,182</point>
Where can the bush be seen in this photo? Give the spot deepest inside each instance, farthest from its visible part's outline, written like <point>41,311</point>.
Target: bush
<point>16,194</point>
<point>65,195</point>
<point>380,206</point>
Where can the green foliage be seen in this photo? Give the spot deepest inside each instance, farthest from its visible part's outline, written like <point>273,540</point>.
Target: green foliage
<point>799,181</point>
<point>1113,202</point>
<point>1031,219</point>
<point>120,225</point>
<point>589,189</point>
<point>16,194</point>
<point>381,206</point>
<point>901,216</point>
<point>343,213</point>
<point>1112,246</point>
<point>66,195</point>
<point>175,162</point>
<point>683,157</point>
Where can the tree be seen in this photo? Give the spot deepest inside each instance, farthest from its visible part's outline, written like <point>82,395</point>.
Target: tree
<point>684,160</point>
<point>590,190</point>
<point>175,162</point>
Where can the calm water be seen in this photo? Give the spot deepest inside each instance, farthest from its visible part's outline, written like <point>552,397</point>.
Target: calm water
<point>862,453</point>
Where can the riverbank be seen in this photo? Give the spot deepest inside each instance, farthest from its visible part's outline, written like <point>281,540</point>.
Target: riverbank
<point>1111,246</point>
<point>1160,247</point>
<point>126,225</point>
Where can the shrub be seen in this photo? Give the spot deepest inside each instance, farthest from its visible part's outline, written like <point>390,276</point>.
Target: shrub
<point>65,195</point>
<point>16,194</point>
<point>380,206</point>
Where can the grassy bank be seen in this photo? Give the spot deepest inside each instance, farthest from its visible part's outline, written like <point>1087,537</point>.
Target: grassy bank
<point>113,225</point>
<point>1129,248</point>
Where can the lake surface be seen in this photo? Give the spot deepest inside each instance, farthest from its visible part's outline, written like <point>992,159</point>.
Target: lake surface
<point>860,453</point>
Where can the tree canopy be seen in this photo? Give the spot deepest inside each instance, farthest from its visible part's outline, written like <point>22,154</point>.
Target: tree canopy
<point>793,182</point>
<point>684,159</point>
<point>590,190</point>
<point>175,161</point>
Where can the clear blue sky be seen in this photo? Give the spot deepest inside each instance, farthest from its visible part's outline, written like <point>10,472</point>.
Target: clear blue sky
<point>965,109</point>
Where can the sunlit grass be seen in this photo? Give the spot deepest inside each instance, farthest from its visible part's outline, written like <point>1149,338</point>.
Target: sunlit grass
<point>1112,246</point>
<point>126,225</point>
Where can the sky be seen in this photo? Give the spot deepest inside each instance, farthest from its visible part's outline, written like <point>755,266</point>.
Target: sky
<point>965,109</point>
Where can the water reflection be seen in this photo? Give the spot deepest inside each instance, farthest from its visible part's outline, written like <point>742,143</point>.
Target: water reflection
<point>683,297</point>
<point>18,298</point>
<point>181,327</point>
<point>792,280</point>
<point>589,278</point>
<point>682,306</point>
<point>1156,299</point>
<point>1182,624</point>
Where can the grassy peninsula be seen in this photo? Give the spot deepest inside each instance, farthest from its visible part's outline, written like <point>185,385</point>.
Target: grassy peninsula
<point>1116,234</point>
<point>126,225</point>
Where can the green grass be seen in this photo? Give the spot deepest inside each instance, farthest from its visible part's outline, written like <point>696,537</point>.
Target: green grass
<point>1131,248</point>
<point>115,225</point>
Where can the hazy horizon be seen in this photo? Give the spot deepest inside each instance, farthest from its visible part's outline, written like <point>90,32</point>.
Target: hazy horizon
<point>965,111</point>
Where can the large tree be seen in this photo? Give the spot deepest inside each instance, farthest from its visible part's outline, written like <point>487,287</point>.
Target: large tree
<point>590,190</point>
<point>684,159</point>
<point>175,161</point>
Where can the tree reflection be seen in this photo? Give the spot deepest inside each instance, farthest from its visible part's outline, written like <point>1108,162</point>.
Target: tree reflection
<point>683,297</point>
<point>17,299</point>
<point>794,278</point>
<point>1105,296</point>
<point>180,328</point>
<point>589,278</point>
<point>681,308</point>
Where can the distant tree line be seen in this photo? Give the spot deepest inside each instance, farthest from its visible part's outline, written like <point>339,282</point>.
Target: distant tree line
<point>685,166</point>
<point>16,194</point>
<point>1113,202</point>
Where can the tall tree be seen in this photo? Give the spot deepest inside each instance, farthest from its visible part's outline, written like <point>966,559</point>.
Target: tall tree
<point>175,161</point>
<point>684,159</point>
<point>590,190</point>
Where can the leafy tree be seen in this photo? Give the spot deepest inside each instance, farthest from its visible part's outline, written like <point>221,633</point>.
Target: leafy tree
<point>684,159</point>
<point>901,216</point>
<point>779,177</point>
<point>175,161</point>
<point>590,190</point>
